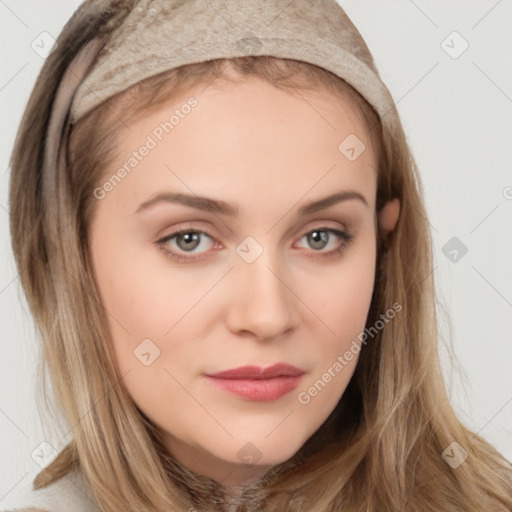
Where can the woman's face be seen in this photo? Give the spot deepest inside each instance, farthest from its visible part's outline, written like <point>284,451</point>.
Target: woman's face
<point>264,187</point>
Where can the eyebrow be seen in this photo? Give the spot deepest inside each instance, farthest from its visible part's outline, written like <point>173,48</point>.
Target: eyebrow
<point>221,207</point>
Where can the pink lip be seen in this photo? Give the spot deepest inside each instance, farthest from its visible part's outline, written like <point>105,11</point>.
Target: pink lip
<point>257,383</point>
<point>258,372</point>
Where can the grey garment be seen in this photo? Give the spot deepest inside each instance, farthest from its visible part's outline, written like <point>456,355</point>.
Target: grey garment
<point>69,494</point>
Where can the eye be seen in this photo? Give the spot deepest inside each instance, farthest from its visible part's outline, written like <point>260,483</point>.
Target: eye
<point>187,240</point>
<point>319,238</point>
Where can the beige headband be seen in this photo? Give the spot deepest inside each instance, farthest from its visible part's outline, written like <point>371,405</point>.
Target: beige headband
<point>159,35</point>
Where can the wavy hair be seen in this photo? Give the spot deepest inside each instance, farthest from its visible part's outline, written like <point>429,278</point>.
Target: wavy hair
<point>380,449</point>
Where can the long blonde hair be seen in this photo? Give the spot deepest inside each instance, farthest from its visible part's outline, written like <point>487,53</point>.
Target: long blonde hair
<point>381,448</point>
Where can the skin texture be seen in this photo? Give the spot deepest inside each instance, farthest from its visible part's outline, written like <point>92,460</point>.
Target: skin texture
<point>268,152</point>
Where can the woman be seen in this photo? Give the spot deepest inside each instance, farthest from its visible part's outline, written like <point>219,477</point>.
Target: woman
<point>231,272</point>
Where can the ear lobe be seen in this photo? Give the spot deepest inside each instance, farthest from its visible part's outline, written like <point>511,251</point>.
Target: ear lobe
<point>388,216</point>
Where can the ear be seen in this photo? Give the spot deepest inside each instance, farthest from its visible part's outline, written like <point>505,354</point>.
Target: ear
<point>388,216</point>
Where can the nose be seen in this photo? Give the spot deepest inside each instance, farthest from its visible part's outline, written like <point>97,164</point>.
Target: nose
<point>263,303</point>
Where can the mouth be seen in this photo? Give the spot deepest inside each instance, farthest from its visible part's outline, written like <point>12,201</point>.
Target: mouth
<point>258,384</point>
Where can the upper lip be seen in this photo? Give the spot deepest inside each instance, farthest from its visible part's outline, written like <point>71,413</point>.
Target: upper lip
<point>258,372</point>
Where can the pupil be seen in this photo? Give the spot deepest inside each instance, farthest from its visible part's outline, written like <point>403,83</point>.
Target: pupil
<point>189,237</point>
<point>318,238</point>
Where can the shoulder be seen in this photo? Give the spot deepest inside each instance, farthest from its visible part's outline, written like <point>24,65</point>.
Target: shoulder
<point>71,492</point>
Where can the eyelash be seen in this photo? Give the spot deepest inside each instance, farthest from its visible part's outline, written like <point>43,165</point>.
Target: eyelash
<point>345,236</point>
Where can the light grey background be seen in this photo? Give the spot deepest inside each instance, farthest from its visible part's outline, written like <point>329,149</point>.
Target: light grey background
<point>457,113</point>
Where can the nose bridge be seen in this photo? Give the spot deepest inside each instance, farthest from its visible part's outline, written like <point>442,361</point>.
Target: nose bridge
<point>262,303</point>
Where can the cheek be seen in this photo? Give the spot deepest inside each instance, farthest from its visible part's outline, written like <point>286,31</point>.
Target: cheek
<point>143,310</point>
<point>145,298</point>
<point>140,292</point>
<point>340,295</point>
<point>339,298</point>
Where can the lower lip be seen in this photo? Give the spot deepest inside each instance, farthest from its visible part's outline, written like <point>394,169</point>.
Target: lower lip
<point>258,390</point>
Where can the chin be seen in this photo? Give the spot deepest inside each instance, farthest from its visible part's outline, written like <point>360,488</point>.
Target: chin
<point>265,453</point>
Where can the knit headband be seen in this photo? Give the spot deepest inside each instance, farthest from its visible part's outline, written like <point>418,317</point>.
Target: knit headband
<point>159,35</point>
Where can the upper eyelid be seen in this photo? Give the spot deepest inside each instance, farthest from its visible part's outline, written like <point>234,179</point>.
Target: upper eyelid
<point>184,228</point>
<point>321,227</point>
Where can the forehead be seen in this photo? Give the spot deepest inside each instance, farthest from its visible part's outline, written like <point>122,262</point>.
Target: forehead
<point>248,138</point>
